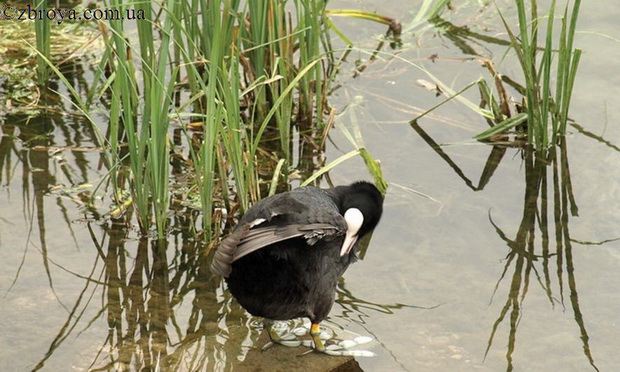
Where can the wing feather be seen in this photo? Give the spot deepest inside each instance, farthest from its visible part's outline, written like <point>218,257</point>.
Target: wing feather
<point>247,239</point>
<point>261,237</point>
<point>306,212</point>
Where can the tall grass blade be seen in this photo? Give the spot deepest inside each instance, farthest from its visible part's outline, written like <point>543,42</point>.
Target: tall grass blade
<point>331,165</point>
<point>42,32</point>
<point>502,126</point>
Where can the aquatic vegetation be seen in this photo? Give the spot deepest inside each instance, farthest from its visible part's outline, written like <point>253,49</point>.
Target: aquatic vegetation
<point>549,70</point>
<point>546,108</point>
<point>236,82</point>
<point>20,77</point>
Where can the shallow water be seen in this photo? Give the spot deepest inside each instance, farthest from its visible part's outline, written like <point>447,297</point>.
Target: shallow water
<point>441,273</point>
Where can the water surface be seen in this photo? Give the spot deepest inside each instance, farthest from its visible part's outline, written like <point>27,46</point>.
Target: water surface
<point>448,283</point>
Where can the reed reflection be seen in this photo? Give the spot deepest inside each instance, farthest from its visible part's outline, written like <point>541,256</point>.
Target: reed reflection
<point>162,308</point>
<point>30,158</point>
<point>542,251</point>
<point>548,260</point>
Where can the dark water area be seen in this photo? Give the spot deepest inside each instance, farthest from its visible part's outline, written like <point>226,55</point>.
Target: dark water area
<point>487,257</point>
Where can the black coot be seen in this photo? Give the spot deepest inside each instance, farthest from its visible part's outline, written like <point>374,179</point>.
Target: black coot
<point>284,258</point>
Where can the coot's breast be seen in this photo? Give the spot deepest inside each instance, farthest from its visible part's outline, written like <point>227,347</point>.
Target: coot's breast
<point>289,279</point>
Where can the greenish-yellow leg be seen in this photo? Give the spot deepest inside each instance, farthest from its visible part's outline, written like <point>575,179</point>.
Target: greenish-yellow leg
<point>315,333</point>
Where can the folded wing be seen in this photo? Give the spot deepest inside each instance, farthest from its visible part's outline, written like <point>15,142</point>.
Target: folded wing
<point>245,240</point>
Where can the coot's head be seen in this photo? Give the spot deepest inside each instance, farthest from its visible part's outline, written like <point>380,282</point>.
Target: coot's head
<point>361,204</point>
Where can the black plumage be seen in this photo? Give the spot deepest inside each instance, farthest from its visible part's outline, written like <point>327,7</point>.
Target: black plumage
<point>284,258</point>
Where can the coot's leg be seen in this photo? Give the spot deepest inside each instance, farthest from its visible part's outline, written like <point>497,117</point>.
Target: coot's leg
<point>340,348</point>
<point>279,333</point>
<point>315,333</point>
